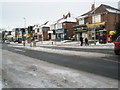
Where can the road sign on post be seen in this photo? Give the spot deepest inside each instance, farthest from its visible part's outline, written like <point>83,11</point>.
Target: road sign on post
<point>54,33</point>
<point>30,31</point>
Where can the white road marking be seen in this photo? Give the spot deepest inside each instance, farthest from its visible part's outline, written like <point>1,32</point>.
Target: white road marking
<point>19,50</point>
<point>111,60</point>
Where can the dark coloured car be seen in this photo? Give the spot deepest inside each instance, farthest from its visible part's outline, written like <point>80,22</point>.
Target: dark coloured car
<point>117,46</point>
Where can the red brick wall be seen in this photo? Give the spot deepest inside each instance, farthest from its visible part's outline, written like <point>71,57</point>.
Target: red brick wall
<point>88,20</point>
<point>100,9</point>
<point>77,22</point>
<point>111,20</point>
<point>45,34</point>
<point>69,26</point>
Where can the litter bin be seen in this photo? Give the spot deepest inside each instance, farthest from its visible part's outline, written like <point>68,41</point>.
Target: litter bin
<point>34,44</point>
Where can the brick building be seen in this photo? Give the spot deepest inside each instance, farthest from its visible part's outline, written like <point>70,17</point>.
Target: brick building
<point>45,30</point>
<point>17,34</point>
<point>63,28</point>
<point>103,17</point>
<point>41,32</point>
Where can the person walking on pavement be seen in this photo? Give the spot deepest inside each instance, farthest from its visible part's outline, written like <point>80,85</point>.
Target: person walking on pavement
<point>81,41</point>
<point>86,42</point>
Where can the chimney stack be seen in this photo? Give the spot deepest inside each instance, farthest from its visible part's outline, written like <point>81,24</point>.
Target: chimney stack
<point>63,16</point>
<point>69,14</point>
<point>93,7</point>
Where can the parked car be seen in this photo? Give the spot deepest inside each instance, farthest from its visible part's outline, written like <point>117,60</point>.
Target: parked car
<point>117,46</point>
<point>7,41</point>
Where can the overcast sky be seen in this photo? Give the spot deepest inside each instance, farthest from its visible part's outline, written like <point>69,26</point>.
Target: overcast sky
<point>38,12</point>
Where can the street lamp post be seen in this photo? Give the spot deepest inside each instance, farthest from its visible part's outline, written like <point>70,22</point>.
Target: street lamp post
<point>94,32</point>
<point>24,28</point>
<point>94,25</point>
<point>24,22</point>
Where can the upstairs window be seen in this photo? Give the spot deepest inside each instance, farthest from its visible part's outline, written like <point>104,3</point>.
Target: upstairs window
<point>96,18</point>
<point>81,21</point>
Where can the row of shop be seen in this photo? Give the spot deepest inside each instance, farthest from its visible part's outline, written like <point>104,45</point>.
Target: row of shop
<point>97,24</point>
<point>89,31</point>
<point>94,30</point>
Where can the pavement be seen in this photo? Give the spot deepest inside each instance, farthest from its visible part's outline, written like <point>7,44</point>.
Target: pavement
<point>37,73</point>
<point>73,44</point>
<point>90,81</point>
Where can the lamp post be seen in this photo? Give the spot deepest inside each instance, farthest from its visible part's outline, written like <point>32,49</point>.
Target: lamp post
<point>24,22</point>
<point>25,31</point>
<point>94,25</point>
<point>94,32</point>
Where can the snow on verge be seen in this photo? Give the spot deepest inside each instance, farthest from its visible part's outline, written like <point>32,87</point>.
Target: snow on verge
<point>66,52</point>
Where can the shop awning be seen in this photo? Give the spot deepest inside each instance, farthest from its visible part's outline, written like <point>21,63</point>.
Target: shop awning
<point>95,25</point>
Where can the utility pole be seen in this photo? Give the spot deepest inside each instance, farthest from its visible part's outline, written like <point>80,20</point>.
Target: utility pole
<point>94,25</point>
<point>24,22</point>
<point>55,32</point>
<point>25,31</point>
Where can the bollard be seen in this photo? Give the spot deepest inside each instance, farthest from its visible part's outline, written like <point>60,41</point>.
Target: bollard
<point>30,44</point>
<point>23,43</point>
<point>52,43</point>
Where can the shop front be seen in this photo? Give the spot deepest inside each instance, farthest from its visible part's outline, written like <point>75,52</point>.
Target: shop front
<point>80,31</point>
<point>28,38</point>
<point>50,35</point>
<point>39,36</point>
<point>61,34</point>
<point>94,30</point>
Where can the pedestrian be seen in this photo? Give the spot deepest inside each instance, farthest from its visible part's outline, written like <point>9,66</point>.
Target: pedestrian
<point>86,42</point>
<point>81,41</point>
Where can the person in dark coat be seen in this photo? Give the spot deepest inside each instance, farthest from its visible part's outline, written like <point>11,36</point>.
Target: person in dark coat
<point>86,42</point>
<point>81,41</point>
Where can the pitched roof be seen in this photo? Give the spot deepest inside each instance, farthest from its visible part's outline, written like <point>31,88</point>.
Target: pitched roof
<point>70,19</point>
<point>105,8</point>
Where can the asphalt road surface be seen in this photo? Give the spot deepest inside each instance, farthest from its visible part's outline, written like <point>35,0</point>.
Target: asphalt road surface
<point>108,51</point>
<point>97,66</point>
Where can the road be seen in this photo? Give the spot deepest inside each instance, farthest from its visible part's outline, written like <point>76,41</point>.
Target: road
<point>93,50</point>
<point>97,66</point>
<point>108,51</point>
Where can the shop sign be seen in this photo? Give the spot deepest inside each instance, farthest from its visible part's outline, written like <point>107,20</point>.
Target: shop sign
<point>60,31</point>
<point>28,35</point>
<point>39,33</point>
<point>50,31</point>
